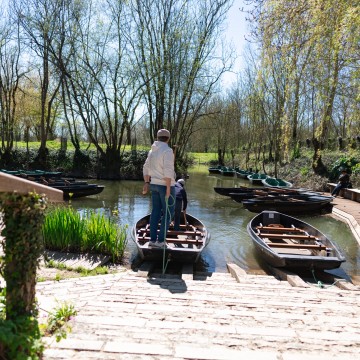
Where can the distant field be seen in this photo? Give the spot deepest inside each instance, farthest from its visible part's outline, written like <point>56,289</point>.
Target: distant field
<point>200,158</point>
<point>204,158</point>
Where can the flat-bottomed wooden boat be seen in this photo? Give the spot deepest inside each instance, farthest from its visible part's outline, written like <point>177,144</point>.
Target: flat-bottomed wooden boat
<point>287,242</point>
<point>185,245</point>
<point>291,204</point>
<point>275,182</point>
<point>256,179</point>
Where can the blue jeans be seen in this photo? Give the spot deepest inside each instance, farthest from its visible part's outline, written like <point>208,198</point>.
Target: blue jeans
<point>338,187</point>
<point>161,211</point>
<point>177,217</point>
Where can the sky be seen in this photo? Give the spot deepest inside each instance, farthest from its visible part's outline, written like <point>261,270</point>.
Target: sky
<point>235,33</point>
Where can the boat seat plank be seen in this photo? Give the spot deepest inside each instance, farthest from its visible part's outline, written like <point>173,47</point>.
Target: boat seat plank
<point>281,229</point>
<point>298,246</point>
<point>176,241</point>
<point>292,251</point>
<point>173,232</point>
<point>287,236</point>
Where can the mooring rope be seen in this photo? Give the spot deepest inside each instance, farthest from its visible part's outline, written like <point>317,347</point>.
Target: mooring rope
<point>164,266</point>
<point>321,285</point>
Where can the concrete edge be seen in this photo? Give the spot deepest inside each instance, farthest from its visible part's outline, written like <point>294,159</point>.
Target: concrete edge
<point>236,271</point>
<point>350,220</point>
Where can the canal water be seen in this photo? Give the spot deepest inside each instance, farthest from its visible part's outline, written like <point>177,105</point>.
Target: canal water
<point>225,219</point>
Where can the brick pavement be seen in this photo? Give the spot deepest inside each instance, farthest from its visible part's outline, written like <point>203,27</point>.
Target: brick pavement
<point>127,316</point>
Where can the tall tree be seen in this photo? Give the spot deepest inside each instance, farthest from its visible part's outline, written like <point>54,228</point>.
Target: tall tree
<point>10,75</point>
<point>312,42</point>
<point>39,20</point>
<point>175,47</point>
<point>101,86</point>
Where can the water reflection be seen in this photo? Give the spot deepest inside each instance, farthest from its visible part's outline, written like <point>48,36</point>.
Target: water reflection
<point>225,219</point>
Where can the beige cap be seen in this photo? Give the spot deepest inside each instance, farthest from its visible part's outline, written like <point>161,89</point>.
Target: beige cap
<point>163,132</point>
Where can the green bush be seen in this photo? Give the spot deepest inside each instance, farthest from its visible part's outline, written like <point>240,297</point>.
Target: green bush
<point>20,339</point>
<point>351,164</point>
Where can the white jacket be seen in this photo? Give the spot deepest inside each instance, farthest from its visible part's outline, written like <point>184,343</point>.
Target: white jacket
<point>160,164</point>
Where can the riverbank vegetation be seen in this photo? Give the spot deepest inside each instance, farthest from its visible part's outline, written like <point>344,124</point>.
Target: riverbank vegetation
<point>65,229</point>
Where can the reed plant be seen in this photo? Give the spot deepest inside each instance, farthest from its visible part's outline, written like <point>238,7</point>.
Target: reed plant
<point>63,229</point>
<point>104,236</point>
<point>67,230</point>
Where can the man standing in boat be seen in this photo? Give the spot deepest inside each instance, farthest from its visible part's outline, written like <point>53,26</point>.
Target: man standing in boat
<point>159,177</point>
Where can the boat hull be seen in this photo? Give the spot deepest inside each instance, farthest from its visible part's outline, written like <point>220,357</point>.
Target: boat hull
<point>256,179</point>
<point>276,183</point>
<point>77,191</point>
<point>290,205</point>
<point>327,257</point>
<point>226,191</point>
<point>194,237</point>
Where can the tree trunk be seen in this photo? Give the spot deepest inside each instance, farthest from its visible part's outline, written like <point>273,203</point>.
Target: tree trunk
<point>317,165</point>
<point>221,155</point>
<point>110,165</point>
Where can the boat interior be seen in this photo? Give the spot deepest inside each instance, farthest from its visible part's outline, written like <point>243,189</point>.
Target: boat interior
<point>188,236</point>
<point>291,240</point>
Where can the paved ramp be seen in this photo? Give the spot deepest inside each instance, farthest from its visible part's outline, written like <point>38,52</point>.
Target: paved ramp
<point>209,316</point>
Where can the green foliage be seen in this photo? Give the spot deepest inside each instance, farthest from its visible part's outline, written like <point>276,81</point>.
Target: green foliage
<point>356,169</point>
<point>57,323</point>
<point>2,303</point>
<point>296,153</point>
<point>351,164</point>
<point>100,270</point>
<point>105,236</point>
<point>84,163</point>
<point>23,246</point>
<point>20,339</point>
<point>304,171</point>
<point>132,163</point>
<point>65,229</point>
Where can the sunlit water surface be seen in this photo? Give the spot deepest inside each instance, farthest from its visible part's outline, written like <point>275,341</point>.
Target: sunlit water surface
<point>225,219</point>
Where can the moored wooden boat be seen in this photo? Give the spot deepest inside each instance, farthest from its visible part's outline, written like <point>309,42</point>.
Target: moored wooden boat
<point>287,242</point>
<point>215,169</point>
<point>255,193</point>
<point>276,182</point>
<point>227,171</point>
<point>243,174</point>
<point>225,191</point>
<point>36,174</point>
<point>70,187</point>
<point>291,204</point>
<point>256,179</point>
<point>73,191</point>
<point>185,245</point>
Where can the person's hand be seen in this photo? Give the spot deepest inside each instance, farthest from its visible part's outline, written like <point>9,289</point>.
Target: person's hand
<point>145,188</point>
<point>167,192</point>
